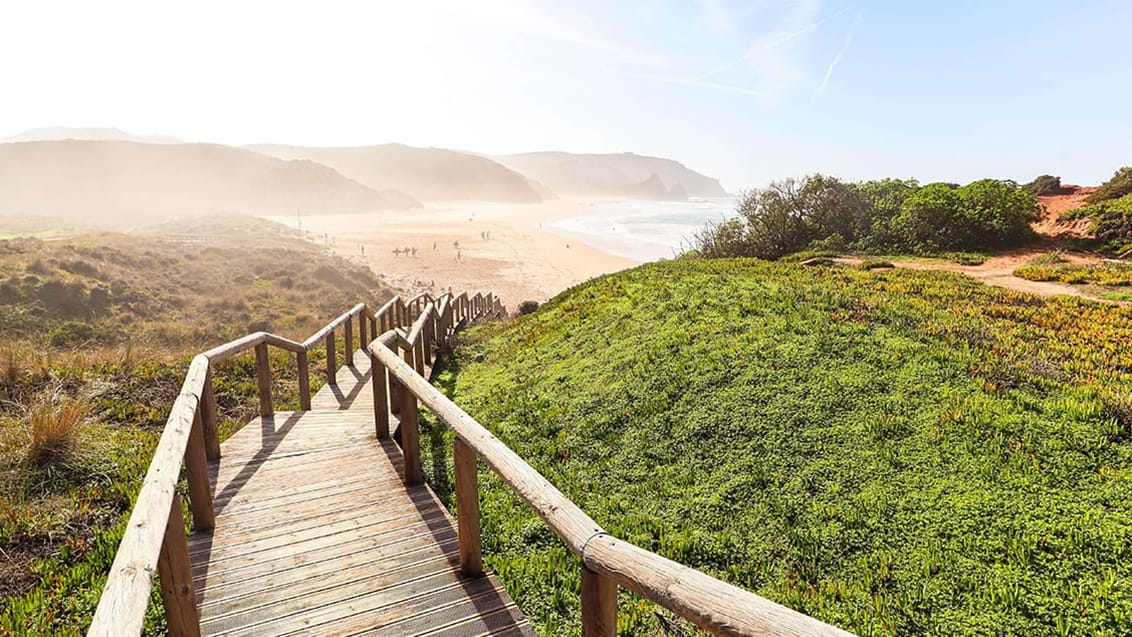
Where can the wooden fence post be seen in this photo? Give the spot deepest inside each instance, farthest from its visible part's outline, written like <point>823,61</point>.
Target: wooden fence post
<point>599,605</point>
<point>209,418</point>
<point>467,508</point>
<point>331,360</point>
<point>302,361</point>
<point>410,438</point>
<point>196,474</point>
<point>263,375</point>
<point>426,340</point>
<point>420,367</point>
<point>349,336</point>
<point>380,398</point>
<point>394,387</point>
<point>175,573</point>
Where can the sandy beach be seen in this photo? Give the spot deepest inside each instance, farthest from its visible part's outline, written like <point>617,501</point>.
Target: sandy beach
<point>509,249</point>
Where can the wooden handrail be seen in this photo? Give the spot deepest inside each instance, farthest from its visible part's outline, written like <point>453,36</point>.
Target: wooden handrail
<point>710,603</point>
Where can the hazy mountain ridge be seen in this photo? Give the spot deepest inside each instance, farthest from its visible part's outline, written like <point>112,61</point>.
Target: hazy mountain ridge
<point>81,177</point>
<point>429,174</point>
<point>615,174</point>
<point>60,133</point>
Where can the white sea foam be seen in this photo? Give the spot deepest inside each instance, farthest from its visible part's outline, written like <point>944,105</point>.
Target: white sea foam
<point>645,230</point>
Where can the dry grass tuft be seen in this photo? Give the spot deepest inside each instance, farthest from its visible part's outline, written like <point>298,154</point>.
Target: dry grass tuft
<point>48,432</point>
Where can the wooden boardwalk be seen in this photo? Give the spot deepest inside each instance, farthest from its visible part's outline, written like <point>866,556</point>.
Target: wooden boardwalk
<point>316,534</point>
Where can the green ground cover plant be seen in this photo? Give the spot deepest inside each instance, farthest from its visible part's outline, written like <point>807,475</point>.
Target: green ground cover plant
<point>891,451</point>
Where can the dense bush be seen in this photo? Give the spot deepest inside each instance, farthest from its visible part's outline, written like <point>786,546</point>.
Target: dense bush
<point>1044,185</point>
<point>1119,186</point>
<point>874,216</point>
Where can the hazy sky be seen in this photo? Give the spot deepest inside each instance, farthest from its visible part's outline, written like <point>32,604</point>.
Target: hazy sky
<point>744,91</point>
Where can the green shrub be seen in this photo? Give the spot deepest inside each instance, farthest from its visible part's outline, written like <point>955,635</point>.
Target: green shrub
<point>1115,188</point>
<point>1044,185</point>
<point>71,334</point>
<point>824,213</point>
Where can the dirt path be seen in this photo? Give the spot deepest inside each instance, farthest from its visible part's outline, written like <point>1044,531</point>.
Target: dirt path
<point>999,270</point>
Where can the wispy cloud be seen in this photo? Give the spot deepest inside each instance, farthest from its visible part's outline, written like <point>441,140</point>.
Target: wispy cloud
<point>837,58</point>
<point>777,39</point>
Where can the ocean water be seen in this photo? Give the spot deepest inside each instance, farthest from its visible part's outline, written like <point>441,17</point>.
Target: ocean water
<point>645,230</point>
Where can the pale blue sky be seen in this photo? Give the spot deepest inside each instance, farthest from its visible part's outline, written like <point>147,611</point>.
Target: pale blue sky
<point>744,91</point>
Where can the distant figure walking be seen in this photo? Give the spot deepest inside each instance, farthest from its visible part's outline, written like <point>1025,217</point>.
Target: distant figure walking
<point>458,257</point>
<point>414,251</point>
<point>456,244</point>
<point>433,245</point>
<point>396,252</point>
<point>363,247</point>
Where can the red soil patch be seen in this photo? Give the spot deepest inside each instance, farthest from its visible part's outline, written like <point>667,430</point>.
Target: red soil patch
<point>1051,224</point>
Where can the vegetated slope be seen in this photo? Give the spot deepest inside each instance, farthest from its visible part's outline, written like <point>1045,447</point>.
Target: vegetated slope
<point>103,180</point>
<point>893,452</point>
<point>104,326</point>
<point>616,174</point>
<point>429,174</point>
<point>58,133</point>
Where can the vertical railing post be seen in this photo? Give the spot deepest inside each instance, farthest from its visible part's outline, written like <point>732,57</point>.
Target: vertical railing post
<point>380,398</point>
<point>410,438</point>
<point>209,418</point>
<point>263,375</point>
<point>175,572</point>
<point>362,330</point>
<point>419,350</point>
<point>426,340</point>
<point>196,474</point>
<point>599,605</point>
<point>331,360</point>
<point>302,362</point>
<point>349,337</point>
<point>394,386</point>
<point>467,508</point>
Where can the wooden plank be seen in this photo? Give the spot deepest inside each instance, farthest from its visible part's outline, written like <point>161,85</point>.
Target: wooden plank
<point>196,474</point>
<point>175,573</point>
<point>331,360</point>
<point>599,605</point>
<point>410,440</point>
<point>467,508</point>
<point>263,379</point>
<point>302,362</point>
<point>209,418</point>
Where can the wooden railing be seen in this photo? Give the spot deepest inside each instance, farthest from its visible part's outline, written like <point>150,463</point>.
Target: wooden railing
<point>400,338</point>
<point>155,540</point>
<point>606,561</point>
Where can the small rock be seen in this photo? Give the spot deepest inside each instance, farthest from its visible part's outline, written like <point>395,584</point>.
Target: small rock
<point>479,358</point>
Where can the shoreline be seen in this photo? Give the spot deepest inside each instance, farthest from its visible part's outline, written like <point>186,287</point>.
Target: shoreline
<point>511,250</point>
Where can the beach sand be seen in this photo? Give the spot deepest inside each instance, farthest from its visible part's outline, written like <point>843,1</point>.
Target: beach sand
<point>508,249</point>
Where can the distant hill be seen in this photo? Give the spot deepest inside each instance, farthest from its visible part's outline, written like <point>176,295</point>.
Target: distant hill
<point>619,174</point>
<point>429,174</point>
<point>59,133</point>
<point>103,179</point>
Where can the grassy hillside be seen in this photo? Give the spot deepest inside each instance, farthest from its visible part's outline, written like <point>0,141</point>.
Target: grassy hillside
<point>894,452</point>
<point>96,332</point>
